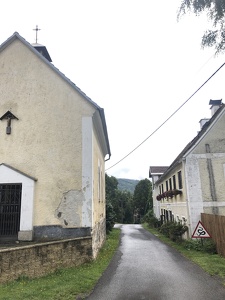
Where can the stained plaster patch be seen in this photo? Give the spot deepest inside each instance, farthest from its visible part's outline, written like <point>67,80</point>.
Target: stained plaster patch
<point>69,211</point>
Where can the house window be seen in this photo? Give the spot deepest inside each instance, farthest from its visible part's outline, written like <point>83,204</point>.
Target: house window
<point>99,182</point>
<point>180,185</point>
<point>170,183</point>
<point>162,188</point>
<point>166,215</point>
<point>167,188</point>
<point>174,182</point>
<point>172,218</point>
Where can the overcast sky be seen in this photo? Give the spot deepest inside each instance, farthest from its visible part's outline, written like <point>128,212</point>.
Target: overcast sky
<point>133,59</point>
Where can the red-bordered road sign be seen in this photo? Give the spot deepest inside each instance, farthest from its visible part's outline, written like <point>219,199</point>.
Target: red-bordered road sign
<point>200,231</point>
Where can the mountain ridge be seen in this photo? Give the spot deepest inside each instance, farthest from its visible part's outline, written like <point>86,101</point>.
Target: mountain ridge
<point>128,185</point>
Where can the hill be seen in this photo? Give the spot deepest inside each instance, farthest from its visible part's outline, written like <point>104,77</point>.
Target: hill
<point>127,184</point>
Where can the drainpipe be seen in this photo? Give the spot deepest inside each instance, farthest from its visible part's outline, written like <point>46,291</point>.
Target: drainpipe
<point>211,180</point>
<point>187,198</point>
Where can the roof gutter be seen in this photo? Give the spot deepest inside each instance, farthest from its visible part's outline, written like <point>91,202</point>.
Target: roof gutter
<point>168,170</point>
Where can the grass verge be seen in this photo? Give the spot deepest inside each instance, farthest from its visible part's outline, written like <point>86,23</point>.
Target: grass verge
<point>66,284</point>
<point>213,264</point>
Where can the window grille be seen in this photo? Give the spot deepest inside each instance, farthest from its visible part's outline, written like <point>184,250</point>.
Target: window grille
<point>10,205</point>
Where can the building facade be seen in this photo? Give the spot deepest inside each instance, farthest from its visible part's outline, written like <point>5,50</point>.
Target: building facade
<point>53,147</point>
<point>194,182</point>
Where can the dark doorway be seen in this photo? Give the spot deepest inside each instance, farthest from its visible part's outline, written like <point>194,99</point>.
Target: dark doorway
<point>10,205</point>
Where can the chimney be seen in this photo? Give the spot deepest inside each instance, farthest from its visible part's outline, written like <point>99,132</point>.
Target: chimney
<point>42,50</point>
<point>202,122</point>
<point>215,105</point>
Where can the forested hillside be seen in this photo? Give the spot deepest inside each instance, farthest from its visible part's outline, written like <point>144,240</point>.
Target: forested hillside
<point>127,184</point>
<point>127,200</point>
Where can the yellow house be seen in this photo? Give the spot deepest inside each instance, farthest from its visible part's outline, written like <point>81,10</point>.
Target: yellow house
<point>53,147</point>
<point>194,182</point>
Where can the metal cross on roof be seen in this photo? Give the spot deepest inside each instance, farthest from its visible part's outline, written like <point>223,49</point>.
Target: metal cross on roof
<point>36,29</point>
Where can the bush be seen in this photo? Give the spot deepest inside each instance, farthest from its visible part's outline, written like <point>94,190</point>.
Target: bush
<point>110,217</point>
<point>151,220</point>
<point>204,245</point>
<point>173,230</point>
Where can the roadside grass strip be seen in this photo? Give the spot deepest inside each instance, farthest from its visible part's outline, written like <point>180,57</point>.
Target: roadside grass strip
<point>67,284</point>
<point>212,263</point>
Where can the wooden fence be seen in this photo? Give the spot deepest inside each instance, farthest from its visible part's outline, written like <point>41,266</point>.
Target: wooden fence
<point>215,225</point>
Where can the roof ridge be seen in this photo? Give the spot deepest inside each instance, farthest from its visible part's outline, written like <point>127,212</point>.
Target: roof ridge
<point>100,109</point>
<point>193,141</point>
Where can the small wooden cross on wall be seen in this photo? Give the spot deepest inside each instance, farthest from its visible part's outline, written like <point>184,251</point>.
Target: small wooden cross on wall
<point>8,116</point>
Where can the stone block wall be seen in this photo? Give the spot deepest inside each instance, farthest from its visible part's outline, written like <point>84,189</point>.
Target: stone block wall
<point>39,259</point>
<point>98,236</point>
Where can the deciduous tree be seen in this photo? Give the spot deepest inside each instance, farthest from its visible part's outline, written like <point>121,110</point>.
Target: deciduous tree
<point>142,197</point>
<point>111,184</point>
<point>215,10</point>
<point>119,204</point>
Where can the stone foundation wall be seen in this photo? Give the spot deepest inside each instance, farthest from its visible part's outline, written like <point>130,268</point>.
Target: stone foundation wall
<point>98,236</point>
<point>36,260</point>
<point>55,232</point>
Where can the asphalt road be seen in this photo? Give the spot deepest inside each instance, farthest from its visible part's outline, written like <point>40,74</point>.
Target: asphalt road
<point>145,268</point>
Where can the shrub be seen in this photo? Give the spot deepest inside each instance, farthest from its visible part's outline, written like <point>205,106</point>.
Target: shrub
<point>110,217</point>
<point>173,230</point>
<point>151,220</point>
<point>204,245</point>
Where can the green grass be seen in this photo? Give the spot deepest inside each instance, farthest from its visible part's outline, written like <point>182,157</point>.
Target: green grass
<point>66,284</point>
<point>77,283</point>
<point>213,264</point>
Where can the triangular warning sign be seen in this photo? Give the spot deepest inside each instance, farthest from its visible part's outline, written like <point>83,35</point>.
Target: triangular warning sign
<point>200,231</point>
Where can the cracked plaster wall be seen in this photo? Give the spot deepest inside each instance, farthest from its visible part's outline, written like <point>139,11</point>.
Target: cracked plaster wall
<point>46,141</point>
<point>69,211</point>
